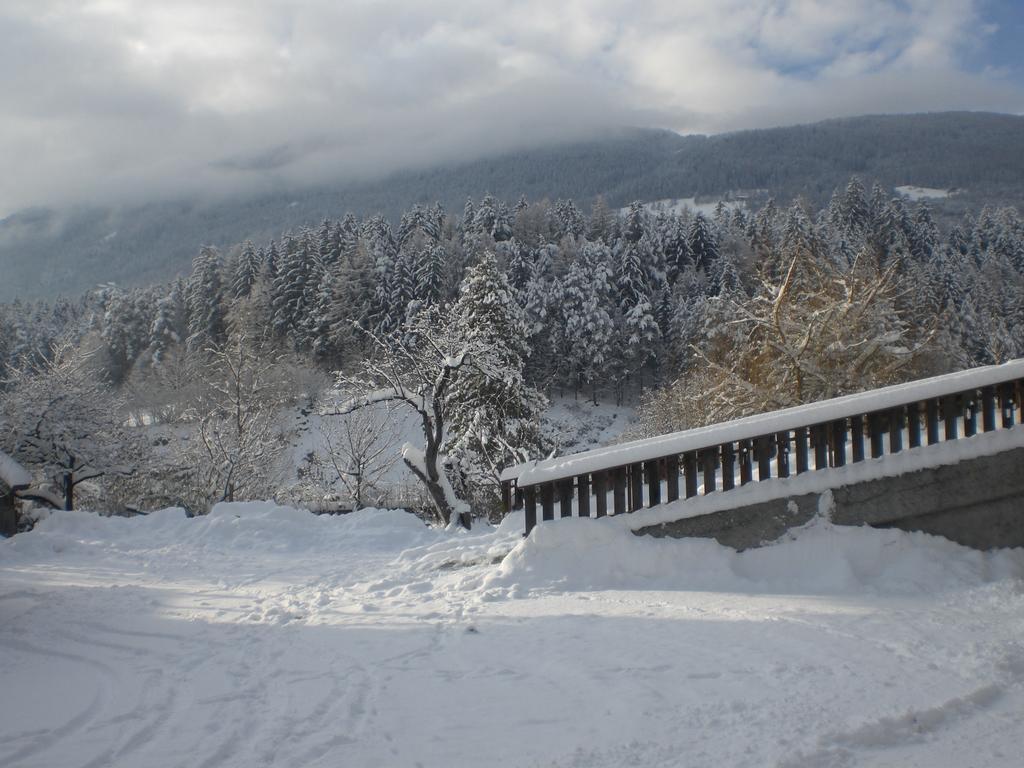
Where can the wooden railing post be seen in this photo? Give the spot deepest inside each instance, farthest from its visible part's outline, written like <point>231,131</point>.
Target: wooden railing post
<point>877,431</point>
<point>746,459</point>
<point>988,409</point>
<point>583,495</point>
<point>708,459</point>
<point>949,412</point>
<point>547,500</point>
<point>914,425</point>
<point>895,430</point>
<point>728,467</point>
<point>672,477</point>
<point>970,406</point>
<point>690,472</point>
<point>782,453</point>
<point>857,436</point>
<point>530,504</point>
<point>800,441</point>
<point>601,493</point>
<point>636,486</point>
<point>653,468</point>
<point>931,415</point>
<point>565,496</point>
<point>819,437</point>
<point>838,429</point>
<point>1006,402</point>
<point>763,449</point>
<point>619,490</point>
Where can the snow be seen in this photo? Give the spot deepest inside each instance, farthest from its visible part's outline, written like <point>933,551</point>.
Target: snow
<point>676,206</point>
<point>264,635</point>
<point>12,474</point>
<point>923,193</point>
<point>821,412</point>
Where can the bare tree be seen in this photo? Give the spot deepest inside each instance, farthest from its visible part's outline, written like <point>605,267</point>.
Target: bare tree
<point>360,448</point>
<point>234,450</point>
<point>415,370</point>
<point>813,332</point>
<point>64,422</point>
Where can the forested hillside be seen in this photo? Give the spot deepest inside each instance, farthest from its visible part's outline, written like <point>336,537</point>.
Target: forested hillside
<point>470,320</point>
<point>45,252</point>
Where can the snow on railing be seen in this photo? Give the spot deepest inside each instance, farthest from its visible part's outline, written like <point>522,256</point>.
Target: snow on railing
<point>626,477</point>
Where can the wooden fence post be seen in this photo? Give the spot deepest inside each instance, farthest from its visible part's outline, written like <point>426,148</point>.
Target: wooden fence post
<point>877,430</point>
<point>601,492</point>
<point>583,495</point>
<point>800,439</point>
<point>708,459</point>
<point>988,409</point>
<point>914,425</point>
<point>949,409</point>
<point>838,429</point>
<point>895,430</point>
<point>530,503</point>
<point>547,501</point>
<point>728,467</point>
<point>782,453</point>
<point>931,415</point>
<point>690,471</point>
<point>763,449</point>
<point>653,468</point>
<point>970,405</point>
<point>857,436</point>
<point>619,489</point>
<point>636,486</point>
<point>819,435</point>
<point>746,459</point>
<point>672,477</point>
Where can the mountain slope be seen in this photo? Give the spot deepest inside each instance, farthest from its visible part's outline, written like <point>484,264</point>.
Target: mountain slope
<point>45,252</point>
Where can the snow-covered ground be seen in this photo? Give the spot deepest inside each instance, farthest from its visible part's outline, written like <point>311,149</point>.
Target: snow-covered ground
<point>261,635</point>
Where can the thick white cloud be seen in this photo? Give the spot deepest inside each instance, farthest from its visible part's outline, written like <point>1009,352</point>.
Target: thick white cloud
<point>117,99</point>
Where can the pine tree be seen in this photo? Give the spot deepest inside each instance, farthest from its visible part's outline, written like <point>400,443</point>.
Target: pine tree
<point>702,244</point>
<point>204,302</point>
<point>246,271</point>
<point>495,415</point>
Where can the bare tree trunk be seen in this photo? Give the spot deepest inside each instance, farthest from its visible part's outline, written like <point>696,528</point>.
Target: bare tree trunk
<point>68,489</point>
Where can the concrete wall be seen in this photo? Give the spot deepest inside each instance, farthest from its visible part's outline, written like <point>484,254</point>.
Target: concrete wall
<point>978,502</point>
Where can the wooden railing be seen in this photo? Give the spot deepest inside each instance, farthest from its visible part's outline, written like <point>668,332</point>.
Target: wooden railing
<point>624,478</point>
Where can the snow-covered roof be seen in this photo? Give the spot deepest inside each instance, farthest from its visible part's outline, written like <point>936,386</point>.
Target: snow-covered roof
<point>12,474</point>
<point>533,473</point>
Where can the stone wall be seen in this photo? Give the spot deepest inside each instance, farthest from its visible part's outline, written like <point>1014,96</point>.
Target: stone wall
<point>977,502</point>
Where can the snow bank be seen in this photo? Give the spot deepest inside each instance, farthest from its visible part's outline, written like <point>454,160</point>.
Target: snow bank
<point>257,527</point>
<point>818,558</point>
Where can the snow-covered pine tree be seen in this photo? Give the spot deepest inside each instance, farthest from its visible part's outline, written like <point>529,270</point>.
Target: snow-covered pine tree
<point>495,415</point>
<point>702,244</point>
<point>247,270</point>
<point>204,301</point>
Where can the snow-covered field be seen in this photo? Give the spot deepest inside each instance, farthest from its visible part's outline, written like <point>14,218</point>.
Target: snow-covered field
<point>261,635</point>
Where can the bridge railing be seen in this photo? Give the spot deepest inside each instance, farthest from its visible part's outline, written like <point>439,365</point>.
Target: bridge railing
<point>624,478</point>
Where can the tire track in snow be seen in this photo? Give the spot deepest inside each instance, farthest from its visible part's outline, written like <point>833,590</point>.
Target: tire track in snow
<point>53,737</point>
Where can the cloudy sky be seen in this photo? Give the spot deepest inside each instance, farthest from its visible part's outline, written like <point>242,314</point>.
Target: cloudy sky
<point>112,100</point>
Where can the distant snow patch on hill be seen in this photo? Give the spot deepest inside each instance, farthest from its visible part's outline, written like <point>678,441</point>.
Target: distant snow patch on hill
<point>676,206</point>
<point>924,193</point>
